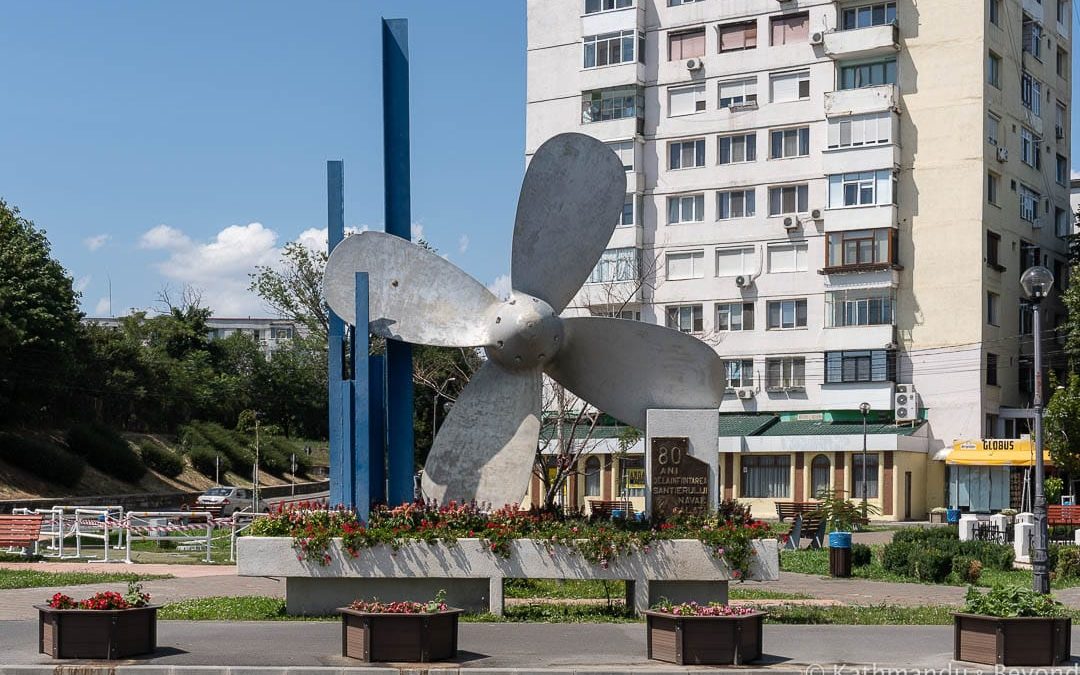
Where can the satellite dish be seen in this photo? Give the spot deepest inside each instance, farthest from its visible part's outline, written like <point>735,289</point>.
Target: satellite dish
<point>570,201</point>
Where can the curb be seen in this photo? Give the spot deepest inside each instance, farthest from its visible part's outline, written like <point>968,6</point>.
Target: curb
<point>104,668</point>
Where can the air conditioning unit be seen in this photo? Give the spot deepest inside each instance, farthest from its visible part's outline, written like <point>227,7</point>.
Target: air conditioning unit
<point>817,38</point>
<point>905,403</point>
<point>1036,222</point>
<point>791,223</point>
<point>815,214</point>
<point>745,392</point>
<point>743,281</point>
<point>739,107</point>
<point>1059,131</point>
<point>1002,154</point>
<point>694,64</point>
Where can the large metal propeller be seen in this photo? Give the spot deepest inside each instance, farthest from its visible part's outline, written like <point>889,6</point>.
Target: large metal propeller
<point>570,201</point>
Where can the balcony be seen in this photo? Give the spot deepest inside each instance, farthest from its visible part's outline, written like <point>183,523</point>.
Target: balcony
<point>878,98</point>
<point>862,43</point>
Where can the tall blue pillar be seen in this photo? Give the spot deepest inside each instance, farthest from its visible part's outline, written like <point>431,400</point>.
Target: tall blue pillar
<point>339,429</point>
<point>361,417</point>
<point>398,214</point>
<point>377,425</point>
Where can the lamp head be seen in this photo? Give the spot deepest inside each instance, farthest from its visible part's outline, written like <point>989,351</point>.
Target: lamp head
<point>1037,282</point>
<point>864,408</point>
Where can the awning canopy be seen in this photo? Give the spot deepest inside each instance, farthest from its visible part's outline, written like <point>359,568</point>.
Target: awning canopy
<point>995,452</point>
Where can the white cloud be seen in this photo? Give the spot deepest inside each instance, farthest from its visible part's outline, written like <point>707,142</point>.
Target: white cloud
<point>96,242</point>
<point>417,231</point>
<point>463,243</point>
<point>164,237</point>
<point>82,282</point>
<point>102,307</point>
<point>1075,174</point>
<point>315,238</point>
<point>501,286</point>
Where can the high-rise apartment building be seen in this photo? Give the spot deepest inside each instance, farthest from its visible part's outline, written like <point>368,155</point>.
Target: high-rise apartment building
<point>841,197</point>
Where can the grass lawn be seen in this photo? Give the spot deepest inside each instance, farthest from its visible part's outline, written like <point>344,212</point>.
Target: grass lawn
<point>37,579</point>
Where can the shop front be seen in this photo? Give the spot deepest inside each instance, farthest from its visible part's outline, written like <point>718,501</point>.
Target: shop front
<point>990,474</point>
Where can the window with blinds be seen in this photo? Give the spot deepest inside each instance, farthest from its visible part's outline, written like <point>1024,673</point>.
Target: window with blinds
<point>686,154</point>
<point>738,92</point>
<point>765,476</point>
<point>686,100</point>
<point>737,36</point>
<point>784,143</point>
<point>737,148</point>
<point>735,204</point>
<point>859,130</point>
<point>789,86</point>
<point>734,316</point>
<point>686,209</point>
<point>862,188</point>
<point>788,257</point>
<point>785,373</point>
<point>731,262</point>
<point>790,29</point>
<point>738,373</point>
<point>686,44</point>
<point>685,265</point>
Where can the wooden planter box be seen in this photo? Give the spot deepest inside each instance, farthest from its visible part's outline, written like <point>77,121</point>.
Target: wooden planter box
<point>96,633</point>
<point>417,638</point>
<point>704,640</point>
<point>1018,641</point>
<point>937,517</point>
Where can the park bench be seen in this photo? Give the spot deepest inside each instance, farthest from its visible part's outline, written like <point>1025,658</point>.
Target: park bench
<point>19,531</point>
<point>602,508</point>
<point>805,526</point>
<point>1063,515</point>
<point>786,510</point>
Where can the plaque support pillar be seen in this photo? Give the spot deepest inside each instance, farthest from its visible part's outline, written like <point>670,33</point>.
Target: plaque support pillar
<point>702,427</point>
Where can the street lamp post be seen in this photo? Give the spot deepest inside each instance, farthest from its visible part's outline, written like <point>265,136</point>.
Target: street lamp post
<point>1037,282</point>
<point>864,408</point>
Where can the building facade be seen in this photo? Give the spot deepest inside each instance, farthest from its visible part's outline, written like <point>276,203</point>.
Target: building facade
<point>840,197</point>
<point>269,334</point>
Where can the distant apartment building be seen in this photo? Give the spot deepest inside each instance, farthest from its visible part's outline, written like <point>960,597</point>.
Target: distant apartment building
<point>840,196</point>
<point>269,334</point>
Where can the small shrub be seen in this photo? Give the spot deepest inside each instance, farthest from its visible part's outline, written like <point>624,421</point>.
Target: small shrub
<point>729,509</point>
<point>160,459</point>
<point>42,459</point>
<point>895,557</point>
<point>860,555</point>
<point>1011,601</point>
<point>930,565</point>
<point>104,449</point>
<point>202,458</point>
<point>1068,562</point>
<point>927,534</point>
<point>967,570</point>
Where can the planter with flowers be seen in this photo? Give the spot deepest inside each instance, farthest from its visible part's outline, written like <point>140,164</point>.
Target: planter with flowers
<point>107,625</point>
<point>418,632</point>
<point>1012,626</point>
<point>709,634</point>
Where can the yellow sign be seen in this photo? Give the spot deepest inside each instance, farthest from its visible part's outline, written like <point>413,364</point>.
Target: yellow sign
<point>994,452</point>
<point>635,478</point>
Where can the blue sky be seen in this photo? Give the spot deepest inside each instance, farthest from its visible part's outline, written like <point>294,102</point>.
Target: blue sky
<point>182,142</point>
<point>176,143</point>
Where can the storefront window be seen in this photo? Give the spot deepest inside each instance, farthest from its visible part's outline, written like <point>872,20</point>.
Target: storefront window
<point>766,476</point>
<point>979,489</point>
<point>819,476</point>
<point>592,477</point>
<point>857,476</point>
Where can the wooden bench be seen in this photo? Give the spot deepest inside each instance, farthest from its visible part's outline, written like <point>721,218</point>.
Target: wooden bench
<point>602,508</point>
<point>791,509</point>
<point>1063,515</point>
<point>805,527</point>
<point>19,531</point>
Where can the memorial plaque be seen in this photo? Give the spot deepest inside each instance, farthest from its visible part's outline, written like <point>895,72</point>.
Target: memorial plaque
<point>679,482</point>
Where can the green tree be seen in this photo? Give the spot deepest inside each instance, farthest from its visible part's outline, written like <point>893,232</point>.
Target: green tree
<point>294,290</point>
<point>1061,426</point>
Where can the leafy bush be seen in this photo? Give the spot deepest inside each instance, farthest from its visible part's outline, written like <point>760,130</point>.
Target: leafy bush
<point>895,556</point>
<point>1068,563</point>
<point>930,564</point>
<point>926,534</point>
<point>840,513</point>
<point>105,450</point>
<point>42,459</point>
<point>160,459</point>
<point>966,569</point>
<point>860,555</point>
<point>202,458</point>
<point>947,540</point>
<point>729,510</point>
<point>1008,601</point>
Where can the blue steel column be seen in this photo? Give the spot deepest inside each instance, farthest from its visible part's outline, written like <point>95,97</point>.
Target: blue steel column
<point>395,61</point>
<point>377,422</point>
<point>360,400</point>
<point>340,481</point>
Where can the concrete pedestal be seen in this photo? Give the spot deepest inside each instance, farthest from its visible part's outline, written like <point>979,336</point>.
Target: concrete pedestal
<point>1025,517</point>
<point>968,521</point>
<point>1022,541</point>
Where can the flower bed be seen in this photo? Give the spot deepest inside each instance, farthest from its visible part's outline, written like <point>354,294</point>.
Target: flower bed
<point>107,625</point>
<point>419,632</point>
<point>1012,627</point>
<point>703,634</point>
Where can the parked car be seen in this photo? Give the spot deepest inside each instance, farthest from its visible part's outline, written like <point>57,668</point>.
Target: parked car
<point>229,499</point>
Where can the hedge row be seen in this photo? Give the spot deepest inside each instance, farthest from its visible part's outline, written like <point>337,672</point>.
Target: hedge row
<point>106,450</point>
<point>931,554</point>
<point>237,449</point>
<point>42,459</point>
<point>160,459</point>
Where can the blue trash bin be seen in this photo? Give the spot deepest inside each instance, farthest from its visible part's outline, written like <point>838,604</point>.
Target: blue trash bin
<point>952,516</point>
<point>839,540</point>
<point>618,514</point>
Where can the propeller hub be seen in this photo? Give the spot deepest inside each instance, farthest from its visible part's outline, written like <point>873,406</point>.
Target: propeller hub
<point>525,332</point>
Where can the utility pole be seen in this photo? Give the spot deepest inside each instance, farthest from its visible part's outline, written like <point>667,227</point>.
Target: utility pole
<point>255,475</point>
<point>292,460</point>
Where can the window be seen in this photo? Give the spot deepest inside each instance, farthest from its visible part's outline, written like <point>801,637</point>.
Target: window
<point>784,143</point>
<point>877,14</point>
<point>785,314</point>
<point>993,124</point>
<point>1061,225</point>
<point>785,373</point>
<point>1029,205</point>
<point>789,86</point>
<point>1059,119</point>
<point>1032,37</point>
<point>686,209</point>
<point>1062,63</point>
<point>993,250</point>
<point>1061,170</point>
<point>868,74</point>
<point>594,6</point>
<point>861,130</point>
<point>631,207</point>
<point>765,476</point>
<point>686,265</point>
<point>1030,148</point>
<point>869,489</point>
<point>1027,317</point>
<point>609,49</point>
<point>1063,12</point>
<point>787,257</point>
<point>686,100</point>
<point>991,369</point>
<point>993,10</point>
<point>993,70</point>
<point>676,3</point>
<point>1031,93</point>
<point>731,262</point>
<point>1030,255</point>
<point>615,264</point>
<point>736,36</point>
<point>784,199</point>
<point>992,182</point>
<point>860,247</point>
<point>993,304</point>
<point>685,318</point>
<point>734,204</point>
<point>733,316</point>
<point>686,154</point>
<point>864,188</point>
<point>739,373</point>
<point>869,365</point>
<point>737,148</point>
<point>791,29</point>
<point>1025,375</point>
<point>820,469</point>
<point>858,307</point>
<point>612,104</point>
<point>626,152</point>
<point>592,477</point>
<point>632,476</point>
<point>738,92</point>
<point>686,44</point>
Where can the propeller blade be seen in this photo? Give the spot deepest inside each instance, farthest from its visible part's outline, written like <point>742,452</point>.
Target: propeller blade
<point>487,445</point>
<point>415,295</point>
<point>570,201</point>
<point>625,367</point>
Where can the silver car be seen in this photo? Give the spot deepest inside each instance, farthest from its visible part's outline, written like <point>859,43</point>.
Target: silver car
<point>228,499</point>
